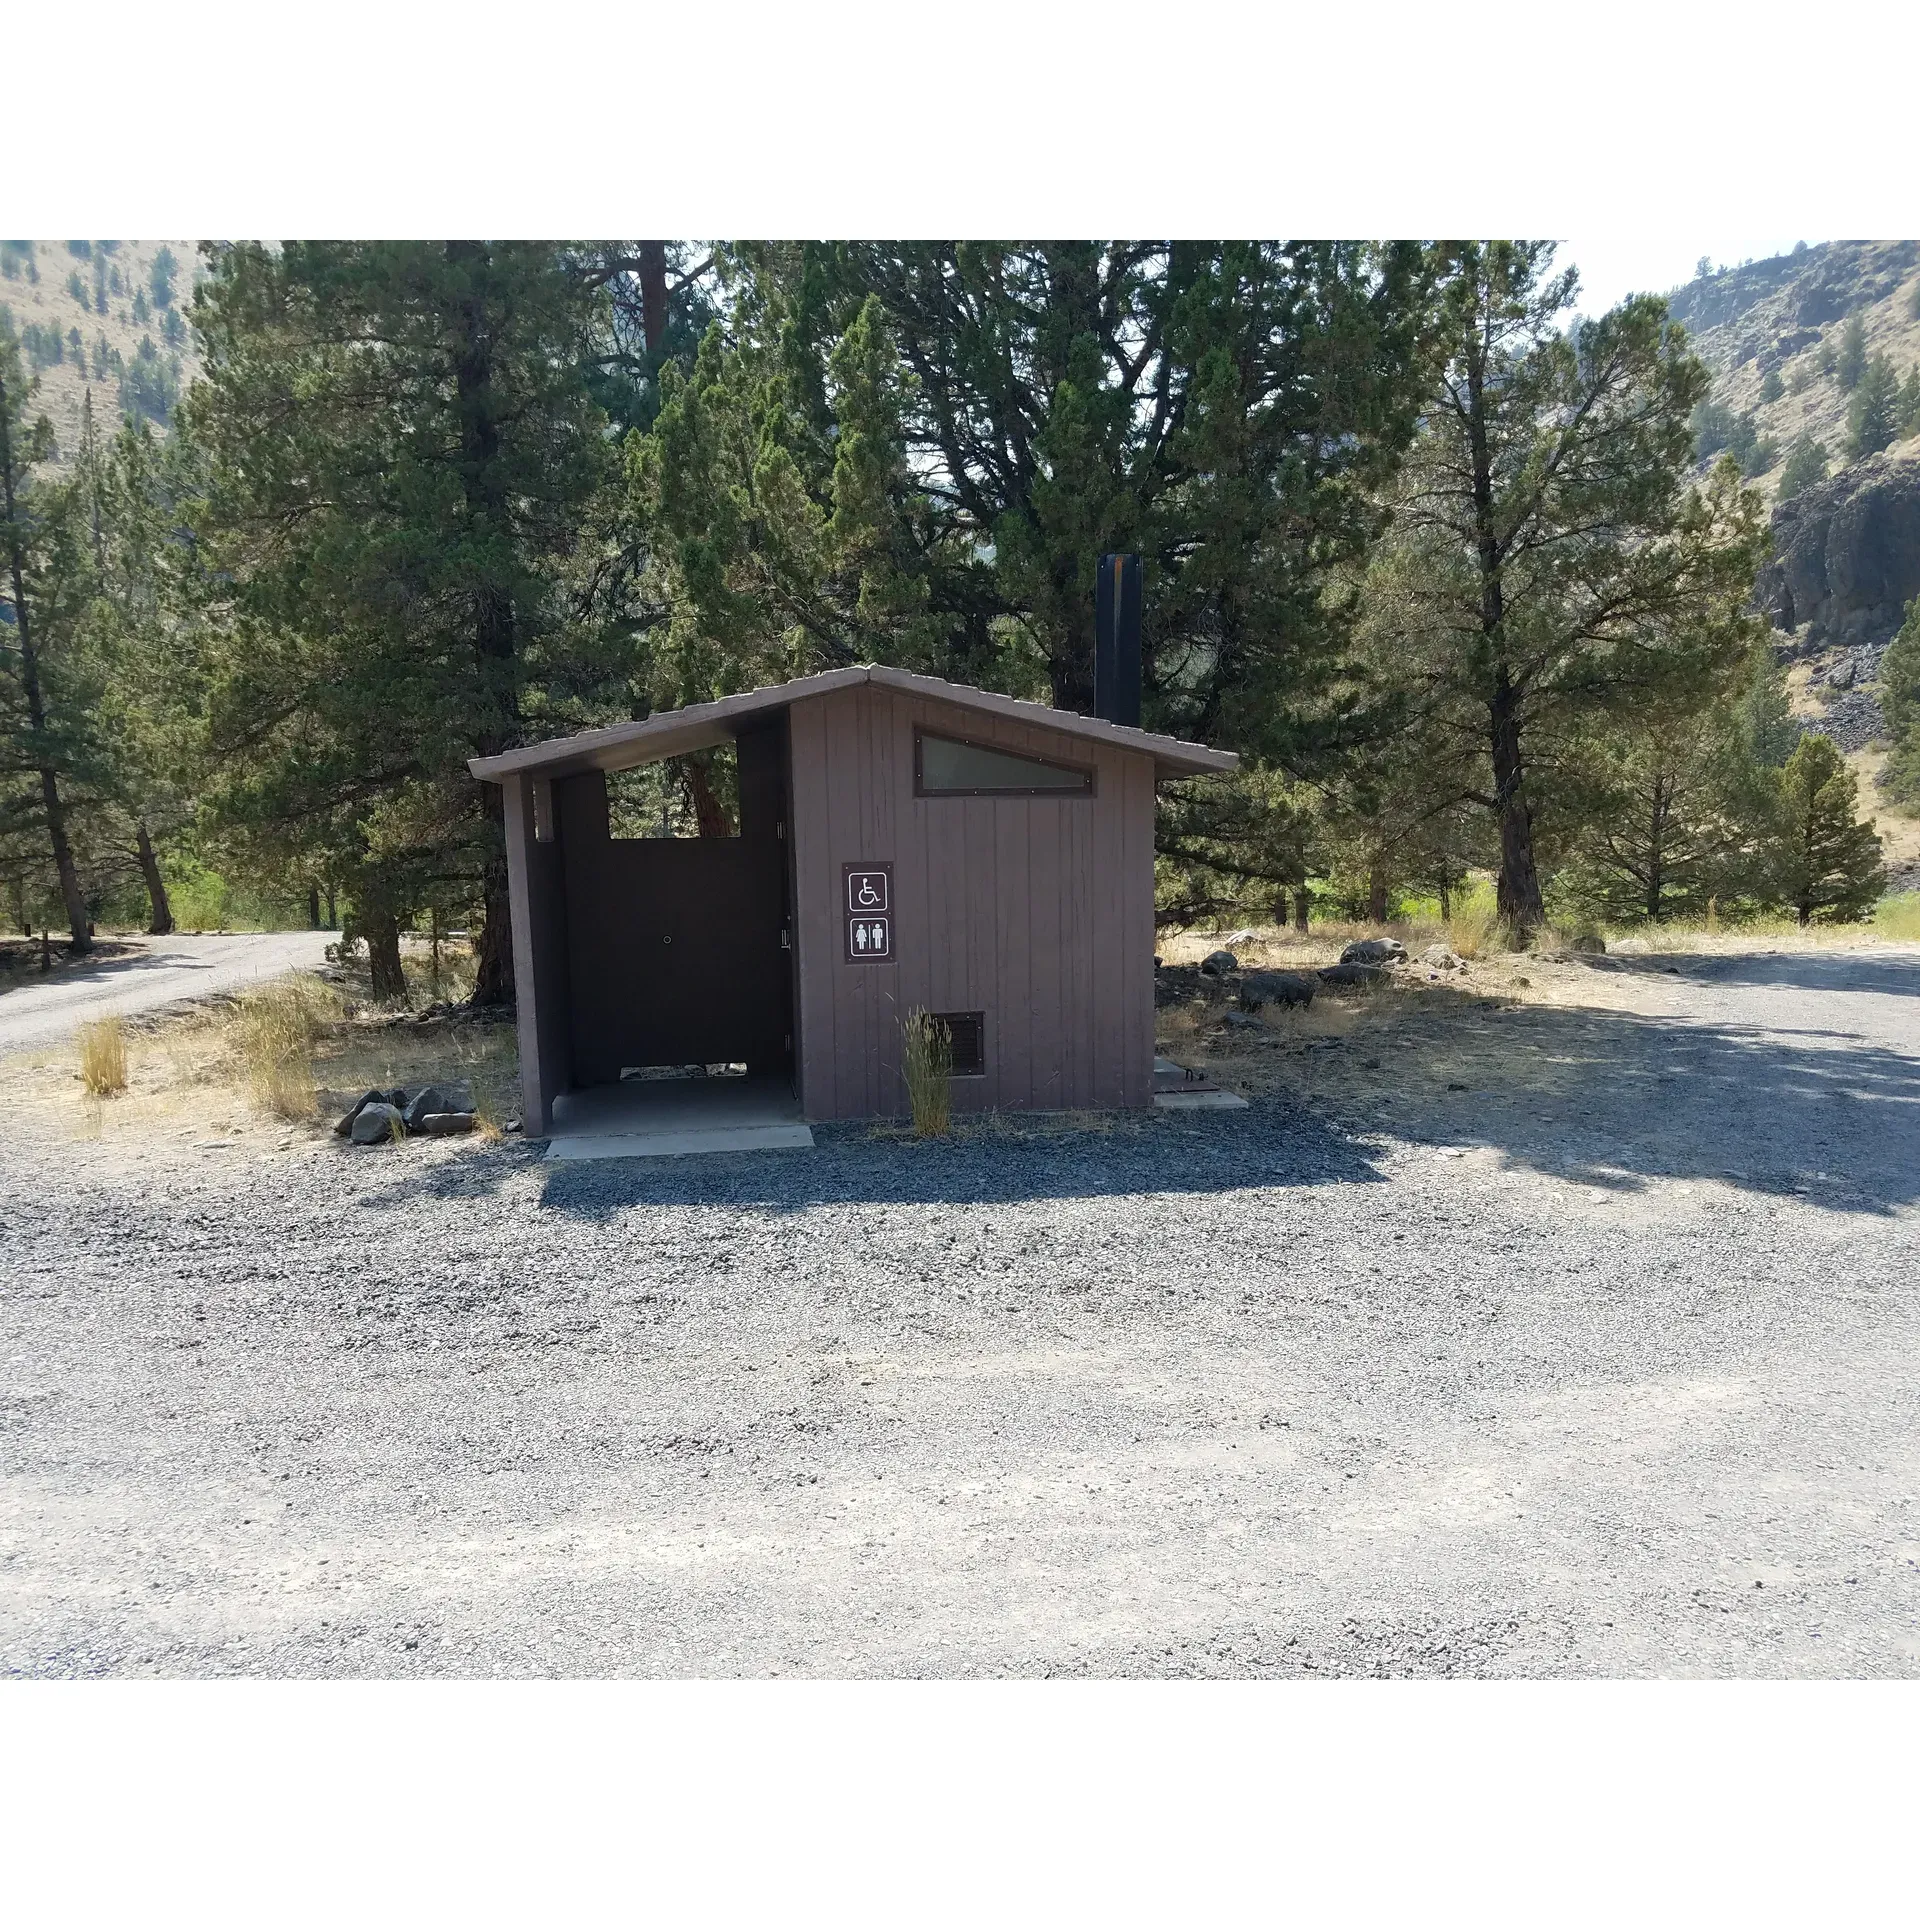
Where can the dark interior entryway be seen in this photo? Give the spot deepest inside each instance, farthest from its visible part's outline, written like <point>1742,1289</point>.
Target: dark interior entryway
<point>680,950</point>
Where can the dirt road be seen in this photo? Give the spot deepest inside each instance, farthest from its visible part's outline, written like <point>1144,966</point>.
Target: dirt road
<point>1577,1337</point>
<point>164,969</point>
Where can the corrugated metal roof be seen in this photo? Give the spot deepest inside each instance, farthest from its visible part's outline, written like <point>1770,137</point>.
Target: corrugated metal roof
<point>636,742</point>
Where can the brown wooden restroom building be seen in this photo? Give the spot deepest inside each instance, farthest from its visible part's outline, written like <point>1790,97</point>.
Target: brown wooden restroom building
<point>903,842</point>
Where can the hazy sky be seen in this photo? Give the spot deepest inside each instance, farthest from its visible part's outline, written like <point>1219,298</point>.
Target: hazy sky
<point>1628,263</point>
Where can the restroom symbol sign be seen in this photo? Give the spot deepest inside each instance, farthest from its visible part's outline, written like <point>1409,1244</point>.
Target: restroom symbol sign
<point>869,904</point>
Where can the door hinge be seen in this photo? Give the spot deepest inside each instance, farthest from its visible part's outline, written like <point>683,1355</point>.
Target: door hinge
<point>786,940</point>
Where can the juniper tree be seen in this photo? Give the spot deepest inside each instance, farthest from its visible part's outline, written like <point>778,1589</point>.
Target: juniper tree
<point>1873,418</point>
<point>1806,467</point>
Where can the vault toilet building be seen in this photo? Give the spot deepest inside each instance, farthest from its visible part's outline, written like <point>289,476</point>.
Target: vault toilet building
<point>903,842</point>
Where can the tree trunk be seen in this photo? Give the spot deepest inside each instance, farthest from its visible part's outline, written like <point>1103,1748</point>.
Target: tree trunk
<point>1520,901</point>
<point>495,640</point>
<point>162,910</point>
<point>381,927</point>
<point>1377,893</point>
<point>36,709</point>
<point>653,293</point>
<point>1446,897</point>
<point>313,909</point>
<point>1301,899</point>
<point>1518,894</point>
<point>333,911</point>
<point>708,812</point>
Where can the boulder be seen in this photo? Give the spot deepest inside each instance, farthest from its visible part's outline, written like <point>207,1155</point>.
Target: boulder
<point>1244,938</point>
<point>1587,943</point>
<point>1353,973</point>
<point>344,1125</point>
<point>1238,1019</point>
<point>1442,957</point>
<point>1372,953</point>
<point>447,1098</point>
<point>375,1123</point>
<point>432,1124</point>
<point>1270,986</point>
<point>1220,961</point>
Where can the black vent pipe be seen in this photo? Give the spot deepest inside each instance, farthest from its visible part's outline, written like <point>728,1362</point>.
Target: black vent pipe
<point>1116,645</point>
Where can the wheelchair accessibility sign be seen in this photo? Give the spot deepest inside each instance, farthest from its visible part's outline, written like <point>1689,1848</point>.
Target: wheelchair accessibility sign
<point>869,902</point>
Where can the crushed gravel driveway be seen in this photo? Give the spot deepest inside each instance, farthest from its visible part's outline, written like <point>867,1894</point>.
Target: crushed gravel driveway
<point>160,970</point>
<point>1582,1341</point>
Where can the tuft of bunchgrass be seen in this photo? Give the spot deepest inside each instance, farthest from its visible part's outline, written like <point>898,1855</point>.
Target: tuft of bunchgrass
<point>275,1030</point>
<point>103,1057</point>
<point>1475,926</point>
<point>927,1068</point>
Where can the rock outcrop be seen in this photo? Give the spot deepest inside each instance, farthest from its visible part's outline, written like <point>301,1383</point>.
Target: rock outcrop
<point>1846,554</point>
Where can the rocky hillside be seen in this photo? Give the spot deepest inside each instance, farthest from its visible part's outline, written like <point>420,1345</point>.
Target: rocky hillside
<point>1775,333</point>
<point>101,317</point>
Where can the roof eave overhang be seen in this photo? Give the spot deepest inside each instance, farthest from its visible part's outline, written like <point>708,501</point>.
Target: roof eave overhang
<point>635,743</point>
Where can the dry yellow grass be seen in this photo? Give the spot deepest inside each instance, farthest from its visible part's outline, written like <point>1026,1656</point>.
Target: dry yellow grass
<point>927,1067</point>
<point>103,1057</point>
<point>275,1030</point>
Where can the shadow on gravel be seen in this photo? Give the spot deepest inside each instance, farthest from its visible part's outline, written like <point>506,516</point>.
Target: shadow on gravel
<point>1894,973</point>
<point>1272,1144</point>
<point>1614,1100</point>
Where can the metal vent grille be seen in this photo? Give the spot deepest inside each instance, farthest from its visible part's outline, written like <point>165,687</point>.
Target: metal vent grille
<point>969,1031</point>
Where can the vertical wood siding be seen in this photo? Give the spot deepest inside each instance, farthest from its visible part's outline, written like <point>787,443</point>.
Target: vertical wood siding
<point>1036,911</point>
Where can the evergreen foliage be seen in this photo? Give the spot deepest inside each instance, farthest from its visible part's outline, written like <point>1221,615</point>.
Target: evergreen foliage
<point>1819,859</point>
<point>1873,418</point>
<point>161,275</point>
<point>1771,386</point>
<point>1806,466</point>
<point>1850,362</point>
<point>1556,567</point>
<point>1900,703</point>
<point>432,471</point>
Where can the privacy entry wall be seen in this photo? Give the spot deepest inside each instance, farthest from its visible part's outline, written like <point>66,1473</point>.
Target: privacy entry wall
<point>680,951</point>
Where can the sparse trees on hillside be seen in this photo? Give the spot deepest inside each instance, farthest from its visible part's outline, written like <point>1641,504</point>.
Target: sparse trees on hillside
<point>160,276</point>
<point>1771,386</point>
<point>1806,466</point>
<point>1900,702</point>
<point>1850,362</point>
<point>1873,418</point>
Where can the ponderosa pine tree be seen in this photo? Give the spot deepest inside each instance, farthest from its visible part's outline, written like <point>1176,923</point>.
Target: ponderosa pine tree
<point>1558,567</point>
<point>1821,860</point>
<point>1850,362</point>
<point>1900,702</point>
<point>39,737</point>
<point>1230,411</point>
<point>399,453</point>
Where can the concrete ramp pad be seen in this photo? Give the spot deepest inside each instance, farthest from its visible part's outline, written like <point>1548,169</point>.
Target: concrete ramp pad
<point>631,1146</point>
<point>1209,1097</point>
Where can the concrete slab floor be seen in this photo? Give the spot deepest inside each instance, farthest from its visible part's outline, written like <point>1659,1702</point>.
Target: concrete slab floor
<point>726,1113</point>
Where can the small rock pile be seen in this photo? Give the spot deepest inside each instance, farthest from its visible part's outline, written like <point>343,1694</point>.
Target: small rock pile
<point>382,1114</point>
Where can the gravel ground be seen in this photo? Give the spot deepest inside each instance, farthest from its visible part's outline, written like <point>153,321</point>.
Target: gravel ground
<point>161,970</point>
<point>1582,1341</point>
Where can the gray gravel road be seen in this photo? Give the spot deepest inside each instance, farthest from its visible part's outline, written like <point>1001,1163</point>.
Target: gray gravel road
<point>1614,1374</point>
<point>165,969</point>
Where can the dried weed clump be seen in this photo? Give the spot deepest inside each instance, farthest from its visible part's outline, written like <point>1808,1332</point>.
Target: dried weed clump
<point>103,1057</point>
<point>275,1030</point>
<point>927,1067</point>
